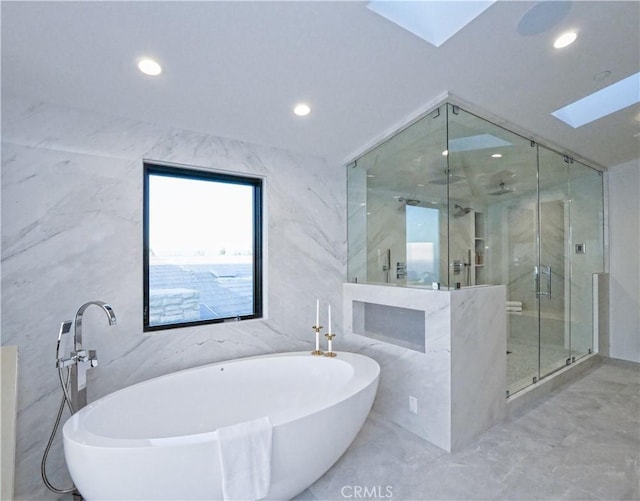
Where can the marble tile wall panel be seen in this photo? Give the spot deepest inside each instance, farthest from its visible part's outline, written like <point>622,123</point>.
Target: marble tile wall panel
<point>72,232</point>
<point>602,340</point>
<point>461,241</point>
<point>357,224</point>
<point>521,255</point>
<point>386,230</point>
<point>404,372</point>
<point>478,362</point>
<point>459,381</point>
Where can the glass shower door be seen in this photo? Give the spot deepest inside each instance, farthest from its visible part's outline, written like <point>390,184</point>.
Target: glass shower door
<point>552,275</point>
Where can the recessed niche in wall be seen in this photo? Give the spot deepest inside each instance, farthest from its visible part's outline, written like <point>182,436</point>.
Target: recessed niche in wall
<point>400,326</point>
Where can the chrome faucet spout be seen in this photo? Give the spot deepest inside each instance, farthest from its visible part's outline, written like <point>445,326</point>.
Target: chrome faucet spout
<point>84,360</point>
<point>77,333</point>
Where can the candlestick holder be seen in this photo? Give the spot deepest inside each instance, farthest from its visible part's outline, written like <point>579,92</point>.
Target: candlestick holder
<point>317,351</point>
<point>330,352</point>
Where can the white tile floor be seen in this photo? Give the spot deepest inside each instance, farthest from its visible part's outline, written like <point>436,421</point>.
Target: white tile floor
<point>581,443</point>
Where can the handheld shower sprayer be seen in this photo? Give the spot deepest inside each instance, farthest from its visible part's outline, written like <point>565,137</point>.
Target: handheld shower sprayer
<point>74,383</point>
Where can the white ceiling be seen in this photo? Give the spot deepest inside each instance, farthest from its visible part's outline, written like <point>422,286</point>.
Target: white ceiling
<point>236,69</point>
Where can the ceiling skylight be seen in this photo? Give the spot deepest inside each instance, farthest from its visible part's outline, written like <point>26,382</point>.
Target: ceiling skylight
<point>602,103</point>
<point>478,142</point>
<point>434,22</point>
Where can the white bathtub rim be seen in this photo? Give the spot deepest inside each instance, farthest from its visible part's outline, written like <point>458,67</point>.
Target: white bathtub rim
<point>81,436</point>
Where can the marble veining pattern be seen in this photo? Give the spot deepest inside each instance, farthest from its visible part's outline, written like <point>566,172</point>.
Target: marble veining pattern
<point>582,443</point>
<point>460,379</point>
<point>72,232</point>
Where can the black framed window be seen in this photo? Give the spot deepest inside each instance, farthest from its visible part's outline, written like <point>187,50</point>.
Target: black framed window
<point>202,247</point>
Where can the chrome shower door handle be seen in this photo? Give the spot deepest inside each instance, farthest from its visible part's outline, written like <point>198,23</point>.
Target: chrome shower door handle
<point>548,272</point>
<point>543,270</point>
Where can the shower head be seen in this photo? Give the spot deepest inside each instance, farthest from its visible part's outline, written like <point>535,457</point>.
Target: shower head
<point>408,201</point>
<point>502,191</point>
<point>448,178</point>
<point>461,211</point>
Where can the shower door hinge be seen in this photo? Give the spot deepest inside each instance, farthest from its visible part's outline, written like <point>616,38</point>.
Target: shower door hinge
<point>590,351</point>
<point>533,143</point>
<point>507,393</point>
<point>436,113</point>
<point>455,109</point>
<point>568,361</point>
<point>535,379</point>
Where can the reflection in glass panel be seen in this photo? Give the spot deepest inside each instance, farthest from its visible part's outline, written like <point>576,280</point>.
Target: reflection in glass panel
<point>494,220</point>
<point>461,201</point>
<point>586,251</point>
<point>387,188</point>
<point>553,272</point>
<point>423,245</point>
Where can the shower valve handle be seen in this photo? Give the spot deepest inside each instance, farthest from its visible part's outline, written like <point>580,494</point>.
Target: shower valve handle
<point>65,362</point>
<point>89,357</point>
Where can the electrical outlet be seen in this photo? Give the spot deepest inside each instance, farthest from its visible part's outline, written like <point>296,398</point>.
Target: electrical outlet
<point>413,405</point>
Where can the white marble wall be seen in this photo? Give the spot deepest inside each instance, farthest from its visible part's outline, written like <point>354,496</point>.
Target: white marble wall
<point>460,379</point>
<point>357,224</point>
<point>386,232</point>
<point>479,361</point>
<point>461,241</point>
<point>624,235</point>
<point>72,232</point>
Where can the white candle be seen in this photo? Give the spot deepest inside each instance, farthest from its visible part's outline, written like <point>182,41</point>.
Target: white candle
<point>330,350</point>
<point>317,341</point>
<point>317,313</point>
<point>329,320</point>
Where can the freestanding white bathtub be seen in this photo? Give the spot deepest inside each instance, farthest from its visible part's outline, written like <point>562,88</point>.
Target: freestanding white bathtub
<point>157,439</point>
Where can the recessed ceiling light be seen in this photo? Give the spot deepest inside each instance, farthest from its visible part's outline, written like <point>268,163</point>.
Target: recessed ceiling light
<point>149,67</point>
<point>302,109</point>
<point>496,155</point>
<point>565,39</point>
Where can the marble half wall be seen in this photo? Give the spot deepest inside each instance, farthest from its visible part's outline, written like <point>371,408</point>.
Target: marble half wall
<point>72,232</point>
<point>459,379</point>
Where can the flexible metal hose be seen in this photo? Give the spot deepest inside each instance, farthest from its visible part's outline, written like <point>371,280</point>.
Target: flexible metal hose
<point>65,399</point>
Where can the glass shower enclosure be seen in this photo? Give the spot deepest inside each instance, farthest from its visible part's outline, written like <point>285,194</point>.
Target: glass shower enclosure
<point>455,201</point>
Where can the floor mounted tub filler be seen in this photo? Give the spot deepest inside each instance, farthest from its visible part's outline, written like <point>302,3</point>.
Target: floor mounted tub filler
<point>158,439</point>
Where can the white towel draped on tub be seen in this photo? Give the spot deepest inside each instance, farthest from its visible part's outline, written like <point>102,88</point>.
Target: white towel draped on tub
<point>245,458</point>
